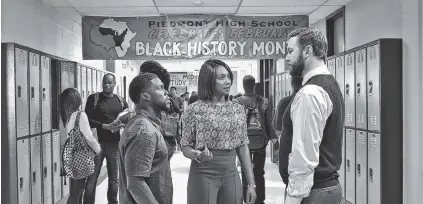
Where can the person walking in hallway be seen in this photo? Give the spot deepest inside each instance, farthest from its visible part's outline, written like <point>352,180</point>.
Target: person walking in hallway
<point>145,170</point>
<point>214,133</point>
<point>102,110</point>
<point>260,131</point>
<point>311,141</point>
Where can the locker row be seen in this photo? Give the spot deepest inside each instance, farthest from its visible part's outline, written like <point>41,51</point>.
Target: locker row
<point>39,179</point>
<point>370,78</point>
<point>35,134</point>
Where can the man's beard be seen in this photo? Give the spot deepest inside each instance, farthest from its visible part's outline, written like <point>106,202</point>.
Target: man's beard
<point>297,68</point>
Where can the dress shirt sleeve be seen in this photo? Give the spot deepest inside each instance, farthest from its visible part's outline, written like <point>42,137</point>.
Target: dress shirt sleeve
<point>309,111</point>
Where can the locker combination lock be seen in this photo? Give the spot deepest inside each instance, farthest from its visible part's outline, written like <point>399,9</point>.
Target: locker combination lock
<point>34,177</point>
<point>358,170</point>
<point>55,167</point>
<point>348,165</point>
<point>347,89</point>
<point>45,172</point>
<point>370,88</point>
<point>21,183</point>
<point>19,91</point>
<point>358,89</point>
<point>44,94</point>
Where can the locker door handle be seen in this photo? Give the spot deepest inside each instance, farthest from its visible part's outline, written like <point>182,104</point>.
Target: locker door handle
<point>347,89</point>
<point>32,93</point>
<point>358,169</point>
<point>55,167</point>
<point>45,172</point>
<point>19,91</point>
<point>83,94</point>
<point>21,185</point>
<point>370,88</point>
<point>371,175</point>
<point>34,177</point>
<point>348,165</point>
<point>358,89</point>
<point>44,94</point>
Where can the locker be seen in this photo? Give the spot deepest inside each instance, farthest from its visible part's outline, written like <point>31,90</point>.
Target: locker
<point>45,94</point>
<point>56,155</point>
<point>64,72</point>
<point>78,79</point>
<point>350,166</point>
<point>94,78</point>
<point>340,73</point>
<point>360,89</point>
<point>47,188</point>
<point>22,108</point>
<point>331,66</point>
<point>374,169</point>
<point>24,171</point>
<point>342,168</point>
<point>286,84</point>
<point>72,74</point>
<point>361,167</point>
<point>283,86</point>
<point>36,170</point>
<point>99,82</point>
<point>34,94</point>
<point>89,82</point>
<point>373,88</point>
<point>84,85</point>
<point>349,90</point>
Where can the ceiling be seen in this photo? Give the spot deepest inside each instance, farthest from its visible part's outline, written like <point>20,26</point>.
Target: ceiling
<point>316,9</point>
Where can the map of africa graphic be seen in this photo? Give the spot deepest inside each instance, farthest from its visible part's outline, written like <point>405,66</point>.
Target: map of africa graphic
<point>112,34</point>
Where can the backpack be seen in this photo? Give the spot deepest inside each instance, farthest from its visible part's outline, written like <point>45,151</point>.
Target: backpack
<point>97,96</point>
<point>255,129</point>
<point>77,156</point>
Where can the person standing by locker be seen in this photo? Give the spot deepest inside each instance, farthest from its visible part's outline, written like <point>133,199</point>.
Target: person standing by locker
<point>311,141</point>
<point>102,110</point>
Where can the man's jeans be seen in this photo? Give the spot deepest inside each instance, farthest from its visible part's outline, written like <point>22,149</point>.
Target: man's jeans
<point>258,160</point>
<point>110,151</point>
<point>329,195</point>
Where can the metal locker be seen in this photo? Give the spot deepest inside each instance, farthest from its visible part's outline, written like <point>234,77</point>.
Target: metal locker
<point>331,66</point>
<point>56,156</point>
<point>350,166</point>
<point>373,88</point>
<point>283,87</point>
<point>374,170</point>
<point>78,79</point>
<point>36,195</point>
<point>84,93</point>
<point>342,168</point>
<point>286,84</point>
<point>34,94</point>
<point>360,89</point>
<point>361,167</point>
<point>65,187</point>
<point>340,73</point>
<point>89,82</point>
<point>45,94</point>
<point>349,90</point>
<point>22,108</point>
<point>24,171</point>
<point>47,188</point>
<point>72,74</point>
<point>99,82</point>
<point>94,80</point>
<point>64,78</point>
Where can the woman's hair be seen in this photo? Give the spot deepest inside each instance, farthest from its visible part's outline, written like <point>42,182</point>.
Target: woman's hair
<point>207,78</point>
<point>192,99</point>
<point>69,102</point>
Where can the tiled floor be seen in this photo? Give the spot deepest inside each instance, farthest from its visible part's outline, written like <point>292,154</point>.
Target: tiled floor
<point>180,169</point>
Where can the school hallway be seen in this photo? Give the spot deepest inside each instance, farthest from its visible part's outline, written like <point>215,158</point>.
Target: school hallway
<point>180,169</point>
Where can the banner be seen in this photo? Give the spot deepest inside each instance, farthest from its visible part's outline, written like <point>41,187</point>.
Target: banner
<point>183,79</point>
<point>187,37</point>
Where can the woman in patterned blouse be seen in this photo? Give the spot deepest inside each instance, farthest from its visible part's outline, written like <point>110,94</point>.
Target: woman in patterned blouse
<point>214,133</point>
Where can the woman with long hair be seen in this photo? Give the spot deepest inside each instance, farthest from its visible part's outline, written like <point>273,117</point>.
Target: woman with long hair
<point>70,101</point>
<point>214,134</point>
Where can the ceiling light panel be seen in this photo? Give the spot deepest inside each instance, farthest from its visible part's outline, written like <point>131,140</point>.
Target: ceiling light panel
<point>118,11</point>
<point>197,10</point>
<point>206,3</point>
<point>110,3</point>
<point>270,3</point>
<point>285,9</point>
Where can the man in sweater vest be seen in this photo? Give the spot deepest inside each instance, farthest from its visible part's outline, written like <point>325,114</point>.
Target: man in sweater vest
<point>311,140</point>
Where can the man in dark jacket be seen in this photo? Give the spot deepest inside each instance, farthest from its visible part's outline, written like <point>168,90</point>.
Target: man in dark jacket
<point>251,100</point>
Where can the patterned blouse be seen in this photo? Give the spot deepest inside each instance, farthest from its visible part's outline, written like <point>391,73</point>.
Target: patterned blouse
<point>222,127</point>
